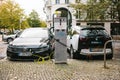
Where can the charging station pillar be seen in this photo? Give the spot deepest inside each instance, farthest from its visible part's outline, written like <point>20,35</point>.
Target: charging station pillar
<point>60,26</point>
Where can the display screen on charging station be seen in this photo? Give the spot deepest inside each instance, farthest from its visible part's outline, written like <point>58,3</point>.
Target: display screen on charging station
<point>60,23</point>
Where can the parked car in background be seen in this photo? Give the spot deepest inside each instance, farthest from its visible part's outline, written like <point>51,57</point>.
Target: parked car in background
<point>11,37</point>
<point>31,42</point>
<point>1,32</point>
<point>88,40</point>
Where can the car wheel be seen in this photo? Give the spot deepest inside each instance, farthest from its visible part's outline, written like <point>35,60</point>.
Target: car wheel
<point>72,53</point>
<point>9,40</point>
<point>9,58</point>
<point>110,56</point>
<point>52,55</point>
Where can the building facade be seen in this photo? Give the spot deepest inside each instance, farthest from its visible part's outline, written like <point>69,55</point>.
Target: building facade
<point>51,6</point>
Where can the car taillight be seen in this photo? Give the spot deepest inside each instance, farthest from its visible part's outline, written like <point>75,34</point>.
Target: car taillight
<point>83,39</point>
<point>107,39</point>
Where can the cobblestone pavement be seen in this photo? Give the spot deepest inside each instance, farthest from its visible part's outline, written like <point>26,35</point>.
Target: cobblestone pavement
<point>48,70</point>
<point>73,70</point>
<point>3,49</point>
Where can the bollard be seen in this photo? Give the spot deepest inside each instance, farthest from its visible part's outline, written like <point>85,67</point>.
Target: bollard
<point>105,51</point>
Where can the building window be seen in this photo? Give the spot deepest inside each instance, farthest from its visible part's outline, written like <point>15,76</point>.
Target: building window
<point>57,1</point>
<point>77,1</point>
<point>77,24</point>
<point>66,1</point>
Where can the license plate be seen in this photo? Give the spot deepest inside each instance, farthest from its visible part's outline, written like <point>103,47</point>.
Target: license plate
<point>96,49</point>
<point>25,54</point>
<point>96,42</point>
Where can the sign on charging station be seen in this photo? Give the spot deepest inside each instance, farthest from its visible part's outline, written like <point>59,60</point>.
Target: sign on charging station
<point>60,26</point>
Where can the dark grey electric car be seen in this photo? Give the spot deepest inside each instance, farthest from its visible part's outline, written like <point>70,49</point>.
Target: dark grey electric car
<point>32,43</point>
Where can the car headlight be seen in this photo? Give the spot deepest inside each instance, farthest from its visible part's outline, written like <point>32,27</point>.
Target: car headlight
<point>41,49</point>
<point>10,47</point>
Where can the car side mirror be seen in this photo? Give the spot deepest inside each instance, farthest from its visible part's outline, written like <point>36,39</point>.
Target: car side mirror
<point>18,34</point>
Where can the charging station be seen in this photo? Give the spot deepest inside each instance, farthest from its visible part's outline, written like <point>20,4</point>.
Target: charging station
<point>60,25</point>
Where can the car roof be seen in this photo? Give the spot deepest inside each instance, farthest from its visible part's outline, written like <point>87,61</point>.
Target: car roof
<point>36,28</point>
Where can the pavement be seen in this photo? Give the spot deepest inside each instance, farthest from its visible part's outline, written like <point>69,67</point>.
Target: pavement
<point>48,70</point>
<point>2,48</point>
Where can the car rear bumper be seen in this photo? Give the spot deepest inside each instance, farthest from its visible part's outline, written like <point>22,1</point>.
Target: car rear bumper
<point>88,52</point>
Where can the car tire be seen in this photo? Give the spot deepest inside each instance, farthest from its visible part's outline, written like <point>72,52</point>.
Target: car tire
<point>52,55</point>
<point>110,56</point>
<point>72,56</point>
<point>9,40</point>
<point>9,58</point>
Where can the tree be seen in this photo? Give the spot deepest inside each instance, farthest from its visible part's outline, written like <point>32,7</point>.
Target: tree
<point>80,9</point>
<point>43,24</point>
<point>10,15</point>
<point>33,19</point>
<point>95,9</point>
<point>115,9</point>
<point>24,23</point>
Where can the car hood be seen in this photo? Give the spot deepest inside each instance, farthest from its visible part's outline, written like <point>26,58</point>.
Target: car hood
<point>29,41</point>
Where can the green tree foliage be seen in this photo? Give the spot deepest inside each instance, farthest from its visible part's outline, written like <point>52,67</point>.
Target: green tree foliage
<point>79,7</point>
<point>33,19</point>
<point>98,9</point>
<point>43,24</point>
<point>10,15</point>
<point>24,23</point>
<point>115,9</point>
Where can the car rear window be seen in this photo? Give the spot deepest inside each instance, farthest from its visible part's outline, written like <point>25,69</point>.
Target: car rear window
<point>93,32</point>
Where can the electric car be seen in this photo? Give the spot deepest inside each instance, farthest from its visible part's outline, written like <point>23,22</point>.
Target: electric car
<point>31,44</point>
<point>88,41</point>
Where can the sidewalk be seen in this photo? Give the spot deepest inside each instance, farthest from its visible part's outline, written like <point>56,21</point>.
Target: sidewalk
<point>48,70</point>
<point>2,48</point>
<point>0,37</point>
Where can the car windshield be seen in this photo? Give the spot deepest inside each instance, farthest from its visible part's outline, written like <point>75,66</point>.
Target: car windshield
<point>93,32</point>
<point>35,33</point>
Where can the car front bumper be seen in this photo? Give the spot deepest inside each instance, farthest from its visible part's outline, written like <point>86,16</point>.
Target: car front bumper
<point>17,55</point>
